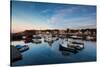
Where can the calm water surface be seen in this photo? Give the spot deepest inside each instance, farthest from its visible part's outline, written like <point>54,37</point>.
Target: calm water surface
<point>46,53</point>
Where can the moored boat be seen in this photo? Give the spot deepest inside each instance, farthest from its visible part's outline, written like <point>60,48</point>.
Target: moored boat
<point>37,39</point>
<point>75,44</point>
<point>22,48</point>
<point>76,37</point>
<point>69,49</point>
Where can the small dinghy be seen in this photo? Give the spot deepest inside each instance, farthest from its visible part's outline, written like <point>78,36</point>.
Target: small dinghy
<point>22,48</point>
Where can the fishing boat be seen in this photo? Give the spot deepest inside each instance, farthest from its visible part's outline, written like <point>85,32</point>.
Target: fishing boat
<point>63,47</point>
<point>72,45</point>
<point>37,39</point>
<point>90,38</point>
<point>69,49</point>
<point>76,44</point>
<point>76,37</point>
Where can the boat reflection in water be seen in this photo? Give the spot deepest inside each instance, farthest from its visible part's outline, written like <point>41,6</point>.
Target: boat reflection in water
<point>59,51</point>
<point>50,43</point>
<point>65,53</point>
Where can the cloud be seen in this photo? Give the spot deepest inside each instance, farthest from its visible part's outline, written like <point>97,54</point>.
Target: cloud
<point>45,11</point>
<point>66,17</point>
<point>60,14</point>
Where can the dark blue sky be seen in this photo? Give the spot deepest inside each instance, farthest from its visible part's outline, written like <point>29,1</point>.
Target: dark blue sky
<point>35,15</point>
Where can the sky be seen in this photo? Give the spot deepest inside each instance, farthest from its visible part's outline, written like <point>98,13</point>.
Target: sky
<point>40,16</point>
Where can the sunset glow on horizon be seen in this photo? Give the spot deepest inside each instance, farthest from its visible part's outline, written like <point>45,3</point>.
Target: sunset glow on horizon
<point>41,16</point>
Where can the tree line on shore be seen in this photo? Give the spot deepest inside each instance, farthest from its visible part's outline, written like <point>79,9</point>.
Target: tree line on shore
<point>57,32</point>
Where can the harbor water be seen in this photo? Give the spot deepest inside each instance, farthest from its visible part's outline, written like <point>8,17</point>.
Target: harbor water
<point>49,53</point>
